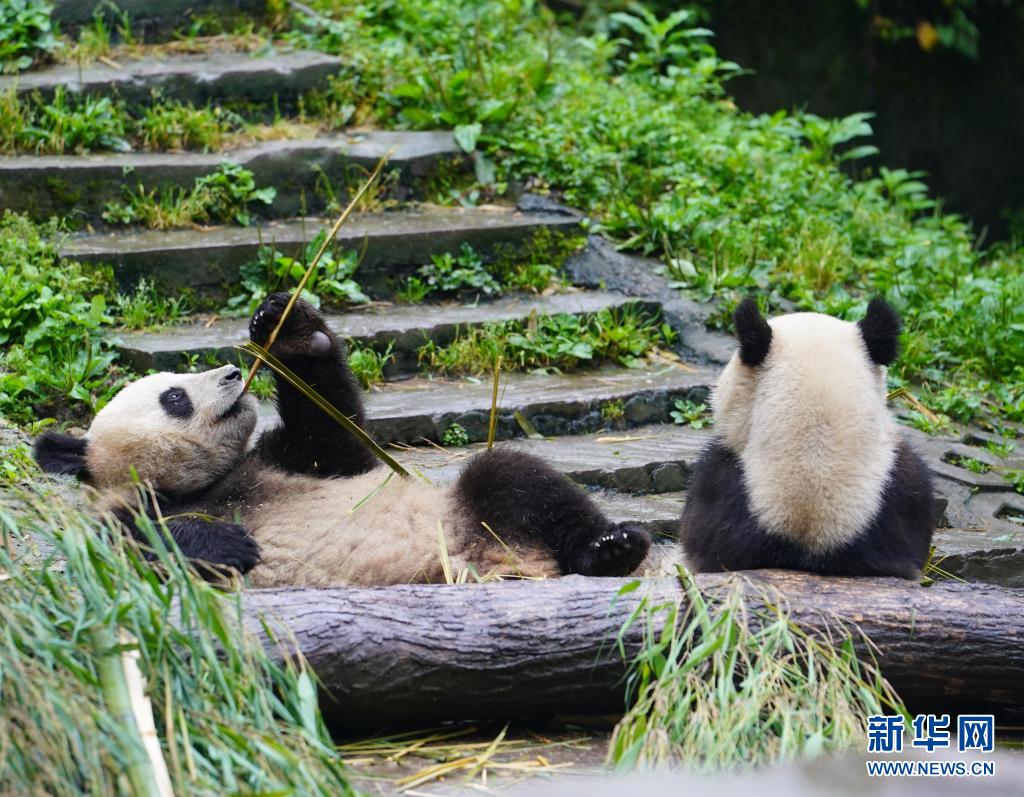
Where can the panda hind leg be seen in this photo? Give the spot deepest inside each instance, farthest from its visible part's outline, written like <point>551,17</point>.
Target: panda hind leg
<point>525,501</point>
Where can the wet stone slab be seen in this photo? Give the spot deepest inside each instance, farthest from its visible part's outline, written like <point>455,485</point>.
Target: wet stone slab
<point>651,459</point>
<point>420,409</point>
<point>48,185</point>
<point>402,330</point>
<point>390,244</point>
<point>196,78</point>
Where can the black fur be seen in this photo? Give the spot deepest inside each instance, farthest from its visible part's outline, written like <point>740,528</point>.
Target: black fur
<point>308,441</point>
<point>753,332</point>
<point>719,531</point>
<point>176,403</point>
<point>521,498</point>
<point>880,329</point>
<point>62,454</point>
<point>213,546</point>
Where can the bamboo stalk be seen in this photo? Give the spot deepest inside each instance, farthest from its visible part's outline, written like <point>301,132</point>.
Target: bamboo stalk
<point>492,424</point>
<point>315,262</point>
<point>146,772</point>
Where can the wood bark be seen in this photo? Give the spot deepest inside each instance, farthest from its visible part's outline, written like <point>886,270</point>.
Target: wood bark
<point>421,654</point>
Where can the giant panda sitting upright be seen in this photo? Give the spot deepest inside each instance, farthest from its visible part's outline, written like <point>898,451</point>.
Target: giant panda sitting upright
<point>306,505</point>
<point>808,470</point>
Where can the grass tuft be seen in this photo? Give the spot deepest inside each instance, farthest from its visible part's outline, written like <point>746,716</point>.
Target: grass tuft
<point>727,684</point>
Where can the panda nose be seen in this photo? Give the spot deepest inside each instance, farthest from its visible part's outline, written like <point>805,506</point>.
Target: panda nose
<point>233,375</point>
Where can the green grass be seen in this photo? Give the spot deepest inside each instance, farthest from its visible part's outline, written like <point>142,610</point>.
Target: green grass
<point>223,195</point>
<point>368,364</point>
<point>147,308</point>
<point>719,684</point>
<point>229,718</point>
<point>550,343</point>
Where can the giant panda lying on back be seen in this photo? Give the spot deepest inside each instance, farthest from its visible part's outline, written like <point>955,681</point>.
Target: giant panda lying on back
<point>307,504</point>
<point>808,470</point>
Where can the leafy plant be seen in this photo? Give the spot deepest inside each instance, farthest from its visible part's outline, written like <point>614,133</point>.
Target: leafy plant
<point>455,435</point>
<point>368,364</point>
<point>25,33</point>
<point>53,357</point>
<point>719,684</point>
<point>272,271</point>
<point>555,342</point>
<point>63,124</point>
<point>447,273</point>
<point>690,413</point>
<point>224,195</point>
<point>175,125</point>
<point>146,307</point>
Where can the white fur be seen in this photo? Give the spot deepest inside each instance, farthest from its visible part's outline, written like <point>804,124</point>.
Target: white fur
<point>176,455</point>
<point>373,529</point>
<point>812,429</point>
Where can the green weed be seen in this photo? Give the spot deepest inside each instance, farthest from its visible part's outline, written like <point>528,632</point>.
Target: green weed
<point>690,413</point>
<point>147,308</point>
<point>368,364</point>
<point>174,125</point>
<point>271,271</point>
<point>549,343</point>
<point>53,358</point>
<point>455,435</point>
<point>26,33</point>
<point>224,195</point>
<point>62,125</point>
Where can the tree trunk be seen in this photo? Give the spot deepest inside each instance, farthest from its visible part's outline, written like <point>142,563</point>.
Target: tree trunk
<point>419,654</point>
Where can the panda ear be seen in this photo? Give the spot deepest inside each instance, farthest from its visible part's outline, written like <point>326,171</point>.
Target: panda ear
<point>880,329</point>
<point>753,332</point>
<point>62,453</point>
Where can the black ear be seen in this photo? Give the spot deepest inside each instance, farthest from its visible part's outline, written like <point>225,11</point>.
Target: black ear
<point>62,453</point>
<point>754,333</point>
<point>880,328</point>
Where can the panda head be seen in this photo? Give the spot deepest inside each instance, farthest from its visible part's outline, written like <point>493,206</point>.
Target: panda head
<point>805,369</point>
<point>802,403</point>
<point>180,432</point>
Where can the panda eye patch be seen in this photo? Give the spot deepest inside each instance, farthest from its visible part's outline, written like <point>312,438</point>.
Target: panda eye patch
<point>176,403</point>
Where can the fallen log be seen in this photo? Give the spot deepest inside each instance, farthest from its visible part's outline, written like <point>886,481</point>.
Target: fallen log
<point>420,654</point>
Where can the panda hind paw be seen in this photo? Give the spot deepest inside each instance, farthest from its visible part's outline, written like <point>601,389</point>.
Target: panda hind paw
<point>618,551</point>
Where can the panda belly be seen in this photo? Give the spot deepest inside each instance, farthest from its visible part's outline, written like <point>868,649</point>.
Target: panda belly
<point>372,529</point>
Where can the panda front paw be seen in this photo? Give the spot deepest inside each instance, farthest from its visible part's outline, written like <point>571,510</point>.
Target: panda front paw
<point>234,549</point>
<point>304,332</point>
<point>618,551</point>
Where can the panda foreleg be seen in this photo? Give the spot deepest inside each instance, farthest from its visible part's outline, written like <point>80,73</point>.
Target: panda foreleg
<point>210,545</point>
<point>523,500</point>
<point>308,441</point>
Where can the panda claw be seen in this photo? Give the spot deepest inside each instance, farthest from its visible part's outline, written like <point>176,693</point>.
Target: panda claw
<point>618,552</point>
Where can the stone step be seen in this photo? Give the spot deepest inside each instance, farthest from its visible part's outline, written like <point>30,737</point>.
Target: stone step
<point>652,459</point>
<point>153,21</point>
<point>421,409</point>
<point>218,76</point>
<point>405,328</point>
<point>48,185</point>
<point>390,244</point>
